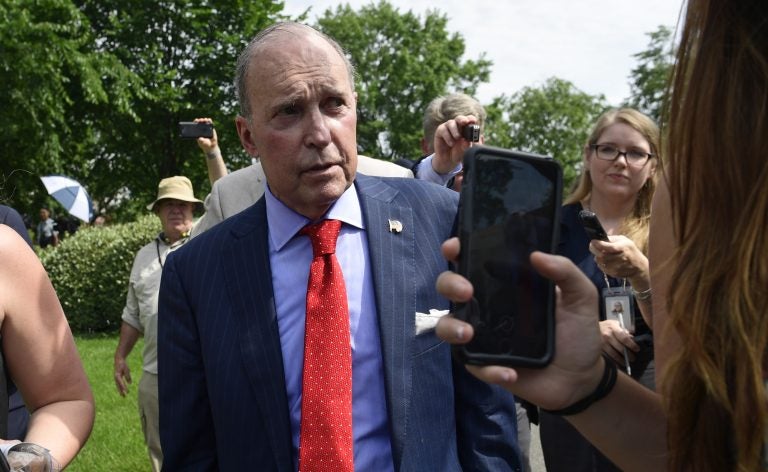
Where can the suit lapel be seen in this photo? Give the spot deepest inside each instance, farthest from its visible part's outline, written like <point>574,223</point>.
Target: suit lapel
<point>392,263</point>
<point>249,286</point>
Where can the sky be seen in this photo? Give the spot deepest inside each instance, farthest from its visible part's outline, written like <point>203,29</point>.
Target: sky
<point>587,42</point>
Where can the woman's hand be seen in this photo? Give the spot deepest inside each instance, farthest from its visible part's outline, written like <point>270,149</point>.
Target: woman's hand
<point>621,258</point>
<point>616,339</point>
<point>577,366</point>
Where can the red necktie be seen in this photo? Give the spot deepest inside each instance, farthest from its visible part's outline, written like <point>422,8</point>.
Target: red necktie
<point>326,403</point>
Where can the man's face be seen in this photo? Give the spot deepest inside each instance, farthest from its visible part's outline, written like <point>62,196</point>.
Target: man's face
<point>44,214</point>
<point>175,216</point>
<point>302,123</point>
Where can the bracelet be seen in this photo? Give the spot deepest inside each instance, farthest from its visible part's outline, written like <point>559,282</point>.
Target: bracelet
<point>607,382</point>
<point>643,295</point>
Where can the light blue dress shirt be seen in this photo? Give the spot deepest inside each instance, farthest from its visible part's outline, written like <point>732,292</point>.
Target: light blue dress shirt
<point>424,171</point>
<point>290,255</point>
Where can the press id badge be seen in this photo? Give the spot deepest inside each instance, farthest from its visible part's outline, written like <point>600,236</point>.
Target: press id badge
<point>620,306</point>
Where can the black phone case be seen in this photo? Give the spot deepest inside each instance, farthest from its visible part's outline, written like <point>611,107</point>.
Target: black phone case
<point>466,311</point>
<point>192,130</point>
<point>592,226</point>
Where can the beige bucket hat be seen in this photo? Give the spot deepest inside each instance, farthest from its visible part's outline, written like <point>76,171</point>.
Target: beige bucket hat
<point>177,188</point>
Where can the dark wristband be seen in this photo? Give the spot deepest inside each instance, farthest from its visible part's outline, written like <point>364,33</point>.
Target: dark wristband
<point>607,382</point>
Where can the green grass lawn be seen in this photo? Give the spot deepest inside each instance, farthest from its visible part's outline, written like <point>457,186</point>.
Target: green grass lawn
<point>116,443</point>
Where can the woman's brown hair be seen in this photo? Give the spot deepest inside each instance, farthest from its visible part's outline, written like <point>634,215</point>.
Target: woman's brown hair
<point>717,157</point>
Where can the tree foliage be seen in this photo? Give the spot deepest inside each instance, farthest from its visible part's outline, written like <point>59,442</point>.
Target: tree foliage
<point>403,62</point>
<point>50,74</point>
<point>185,52</point>
<point>648,81</point>
<point>94,89</point>
<point>553,119</point>
<point>90,271</point>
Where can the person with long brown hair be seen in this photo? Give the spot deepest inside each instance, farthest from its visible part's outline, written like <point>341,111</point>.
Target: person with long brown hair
<point>713,310</point>
<point>709,273</point>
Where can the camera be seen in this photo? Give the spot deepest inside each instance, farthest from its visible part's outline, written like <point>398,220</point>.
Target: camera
<point>471,133</point>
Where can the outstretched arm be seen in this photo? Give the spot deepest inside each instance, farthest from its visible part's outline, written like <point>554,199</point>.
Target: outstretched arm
<point>213,158</point>
<point>628,425</point>
<point>41,354</point>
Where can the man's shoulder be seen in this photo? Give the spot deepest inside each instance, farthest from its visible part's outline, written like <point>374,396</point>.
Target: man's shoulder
<point>428,201</point>
<point>241,177</point>
<point>233,227</point>
<point>379,167</point>
<point>409,186</point>
<point>151,246</point>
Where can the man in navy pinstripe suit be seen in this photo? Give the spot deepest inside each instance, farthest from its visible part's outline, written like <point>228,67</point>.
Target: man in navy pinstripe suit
<point>232,302</point>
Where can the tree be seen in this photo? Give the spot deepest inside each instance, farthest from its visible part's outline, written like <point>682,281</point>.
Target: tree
<point>185,53</point>
<point>648,81</point>
<point>49,72</point>
<point>404,61</point>
<point>94,89</point>
<point>553,119</point>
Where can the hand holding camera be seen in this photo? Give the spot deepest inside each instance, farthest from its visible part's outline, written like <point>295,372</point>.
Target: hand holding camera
<point>452,138</point>
<point>471,133</point>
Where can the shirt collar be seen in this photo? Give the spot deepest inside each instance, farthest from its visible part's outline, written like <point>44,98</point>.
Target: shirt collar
<point>284,223</point>
<point>184,238</point>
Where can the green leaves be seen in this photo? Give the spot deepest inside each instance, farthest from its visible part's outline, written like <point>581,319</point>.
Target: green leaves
<point>648,81</point>
<point>553,119</point>
<point>94,89</point>
<point>403,62</point>
<point>90,271</point>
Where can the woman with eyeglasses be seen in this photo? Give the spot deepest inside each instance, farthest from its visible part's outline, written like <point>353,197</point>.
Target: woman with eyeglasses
<point>617,184</point>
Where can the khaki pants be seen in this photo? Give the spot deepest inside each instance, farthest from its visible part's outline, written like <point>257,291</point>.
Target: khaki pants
<point>150,418</point>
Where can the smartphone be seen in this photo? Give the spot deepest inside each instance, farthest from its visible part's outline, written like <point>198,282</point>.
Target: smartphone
<point>190,130</point>
<point>509,207</point>
<point>592,226</point>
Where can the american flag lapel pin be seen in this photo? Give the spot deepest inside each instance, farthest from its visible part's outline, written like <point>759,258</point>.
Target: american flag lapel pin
<point>395,226</point>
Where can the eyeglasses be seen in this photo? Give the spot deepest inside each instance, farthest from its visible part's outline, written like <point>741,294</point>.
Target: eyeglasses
<point>608,152</point>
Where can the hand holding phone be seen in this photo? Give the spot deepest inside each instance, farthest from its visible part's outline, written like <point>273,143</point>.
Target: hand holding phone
<point>192,130</point>
<point>509,207</point>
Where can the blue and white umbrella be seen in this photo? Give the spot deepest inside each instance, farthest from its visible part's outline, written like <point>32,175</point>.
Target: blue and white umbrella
<point>72,196</point>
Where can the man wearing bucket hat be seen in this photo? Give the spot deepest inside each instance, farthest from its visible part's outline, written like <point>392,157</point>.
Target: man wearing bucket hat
<point>174,206</point>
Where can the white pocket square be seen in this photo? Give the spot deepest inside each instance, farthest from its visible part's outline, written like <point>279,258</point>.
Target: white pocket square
<point>428,321</point>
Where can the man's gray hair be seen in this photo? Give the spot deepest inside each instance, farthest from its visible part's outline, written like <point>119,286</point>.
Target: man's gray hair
<point>448,107</point>
<point>263,38</point>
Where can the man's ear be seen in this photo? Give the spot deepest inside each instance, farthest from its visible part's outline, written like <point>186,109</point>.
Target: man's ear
<point>246,137</point>
<point>425,147</point>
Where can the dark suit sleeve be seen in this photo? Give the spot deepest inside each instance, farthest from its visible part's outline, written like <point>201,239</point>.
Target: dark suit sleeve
<point>486,424</point>
<point>186,427</point>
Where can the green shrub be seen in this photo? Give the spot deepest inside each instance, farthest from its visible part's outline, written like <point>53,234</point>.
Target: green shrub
<point>90,271</point>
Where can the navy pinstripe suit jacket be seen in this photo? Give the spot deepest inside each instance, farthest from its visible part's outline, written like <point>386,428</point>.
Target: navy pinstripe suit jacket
<point>223,404</point>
